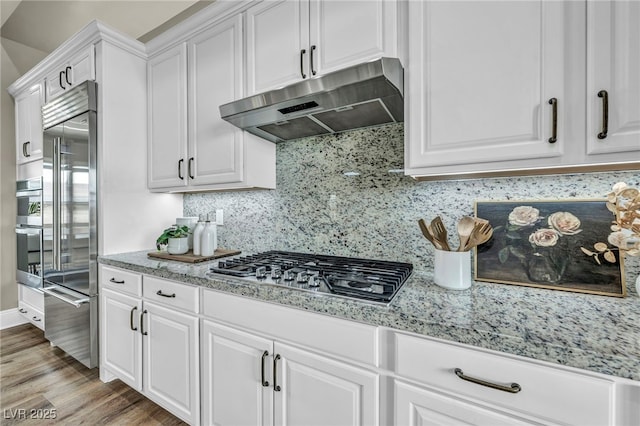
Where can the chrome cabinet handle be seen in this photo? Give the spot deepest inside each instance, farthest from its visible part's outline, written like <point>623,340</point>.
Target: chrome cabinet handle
<point>302,52</point>
<point>276,386</point>
<point>131,319</point>
<point>190,168</point>
<point>160,293</point>
<point>554,120</point>
<point>113,280</point>
<point>180,168</point>
<point>605,113</point>
<point>313,68</point>
<point>144,333</point>
<point>264,382</point>
<point>66,75</point>
<point>512,388</point>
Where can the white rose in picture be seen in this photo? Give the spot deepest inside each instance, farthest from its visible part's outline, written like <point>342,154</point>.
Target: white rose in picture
<point>545,237</point>
<point>524,216</point>
<point>565,223</point>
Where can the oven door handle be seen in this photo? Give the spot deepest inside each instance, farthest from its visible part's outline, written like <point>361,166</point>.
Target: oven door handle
<point>77,302</point>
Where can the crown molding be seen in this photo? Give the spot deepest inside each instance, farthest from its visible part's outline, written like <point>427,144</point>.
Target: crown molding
<point>92,33</point>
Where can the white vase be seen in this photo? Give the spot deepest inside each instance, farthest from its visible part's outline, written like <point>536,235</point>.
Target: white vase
<point>178,245</point>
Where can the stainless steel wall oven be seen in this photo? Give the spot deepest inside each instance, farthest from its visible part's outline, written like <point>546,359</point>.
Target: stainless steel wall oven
<point>29,232</point>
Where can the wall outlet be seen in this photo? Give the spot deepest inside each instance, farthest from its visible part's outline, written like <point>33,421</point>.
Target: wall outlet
<point>219,217</point>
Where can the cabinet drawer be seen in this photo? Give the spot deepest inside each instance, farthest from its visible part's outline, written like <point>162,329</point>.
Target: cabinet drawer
<point>120,280</point>
<point>171,293</point>
<point>341,338</point>
<point>31,296</point>
<point>33,315</point>
<point>547,392</point>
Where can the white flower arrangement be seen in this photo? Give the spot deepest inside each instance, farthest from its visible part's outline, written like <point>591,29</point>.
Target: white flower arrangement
<point>624,202</point>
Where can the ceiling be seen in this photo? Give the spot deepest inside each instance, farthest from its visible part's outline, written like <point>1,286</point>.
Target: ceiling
<point>44,24</point>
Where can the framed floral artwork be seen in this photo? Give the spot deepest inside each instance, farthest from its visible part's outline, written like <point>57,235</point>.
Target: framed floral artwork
<point>559,245</point>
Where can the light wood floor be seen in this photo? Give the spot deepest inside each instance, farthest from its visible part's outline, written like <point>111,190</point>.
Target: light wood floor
<point>37,378</point>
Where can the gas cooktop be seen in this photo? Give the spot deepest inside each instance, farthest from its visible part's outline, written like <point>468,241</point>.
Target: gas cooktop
<point>371,280</point>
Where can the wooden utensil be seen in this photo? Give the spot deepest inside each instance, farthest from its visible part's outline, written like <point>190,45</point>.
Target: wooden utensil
<point>465,227</point>
<point>481,233</point>
<point>428,234</point>
<point>440,232</point>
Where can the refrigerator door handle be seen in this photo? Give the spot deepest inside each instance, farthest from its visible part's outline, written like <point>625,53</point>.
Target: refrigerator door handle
<point>57,294</point>
<point>57,205</point>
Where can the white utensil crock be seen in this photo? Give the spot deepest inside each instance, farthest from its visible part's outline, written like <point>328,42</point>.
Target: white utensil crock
<point>452,269</point>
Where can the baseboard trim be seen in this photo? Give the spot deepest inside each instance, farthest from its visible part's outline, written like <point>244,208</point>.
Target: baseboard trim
<point>11,318</point>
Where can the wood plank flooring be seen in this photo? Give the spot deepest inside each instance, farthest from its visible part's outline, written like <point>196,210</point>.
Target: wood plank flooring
<point>37,380</point>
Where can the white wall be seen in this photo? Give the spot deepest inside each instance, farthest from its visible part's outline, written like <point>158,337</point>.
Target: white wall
<point>15,60</point>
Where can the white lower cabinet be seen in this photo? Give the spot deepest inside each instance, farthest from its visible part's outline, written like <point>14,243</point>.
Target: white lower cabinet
<point>416,406</point>
<point>153,346</point>
<point>248,378</point>
<point>474,386</point>
<point>31,305</point>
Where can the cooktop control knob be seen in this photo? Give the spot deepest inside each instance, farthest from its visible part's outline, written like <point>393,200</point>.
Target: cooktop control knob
<point>287,276</point>
<point>261,272</point>
<point>302,277</point>
<point>276,272</point>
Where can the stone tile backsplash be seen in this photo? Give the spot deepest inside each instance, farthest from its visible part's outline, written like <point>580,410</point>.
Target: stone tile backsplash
<point>320,207</point>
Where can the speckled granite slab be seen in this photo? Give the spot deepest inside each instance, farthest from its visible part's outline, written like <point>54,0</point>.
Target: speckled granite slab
<point>590,332</point>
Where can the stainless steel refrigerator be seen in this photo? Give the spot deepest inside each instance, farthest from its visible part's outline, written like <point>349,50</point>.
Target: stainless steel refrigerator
<point>69,214</point>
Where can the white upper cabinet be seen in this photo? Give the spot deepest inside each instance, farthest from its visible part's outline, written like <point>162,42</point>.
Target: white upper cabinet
<point>167,118</point>
<point>28,109</point>
<point>613,77</point>
<point>190,147</point>
<point>483,82</point>
<point>292,40</point>
<point>81,67</point>
<point>499,87</point>
<point>215,78</point>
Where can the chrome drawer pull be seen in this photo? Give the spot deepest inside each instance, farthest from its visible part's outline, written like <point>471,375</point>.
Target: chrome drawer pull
<point>512,388</point>
<point>160,293</point>
<point>113,280</point>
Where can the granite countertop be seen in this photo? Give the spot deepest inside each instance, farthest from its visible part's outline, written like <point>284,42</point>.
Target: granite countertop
<point>591,332</point>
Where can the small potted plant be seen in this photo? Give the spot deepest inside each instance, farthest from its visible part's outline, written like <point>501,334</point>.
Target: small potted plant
<point>175,238</point>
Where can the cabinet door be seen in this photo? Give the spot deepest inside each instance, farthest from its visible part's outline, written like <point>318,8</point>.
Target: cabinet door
<point>277,44</point>
<point>613,65</point>
<point>319,391</point>
<point>234,365</point>
<point>347,33</point>
<point>121,340</point>
<point>28,109</point>
<point>167,118</point>
<point>215,78</point>
<point>415,406</point>
<point>481,78</point>
<point>171,359</point>
<point>79,68</point>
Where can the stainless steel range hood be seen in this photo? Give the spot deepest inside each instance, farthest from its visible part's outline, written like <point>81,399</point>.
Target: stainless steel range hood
<point>365,95</point>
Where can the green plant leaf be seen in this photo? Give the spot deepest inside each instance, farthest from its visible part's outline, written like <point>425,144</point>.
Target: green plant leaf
<point>503,254</point>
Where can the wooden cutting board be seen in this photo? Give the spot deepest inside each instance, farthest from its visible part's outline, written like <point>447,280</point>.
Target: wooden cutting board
<point>189,257</point>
